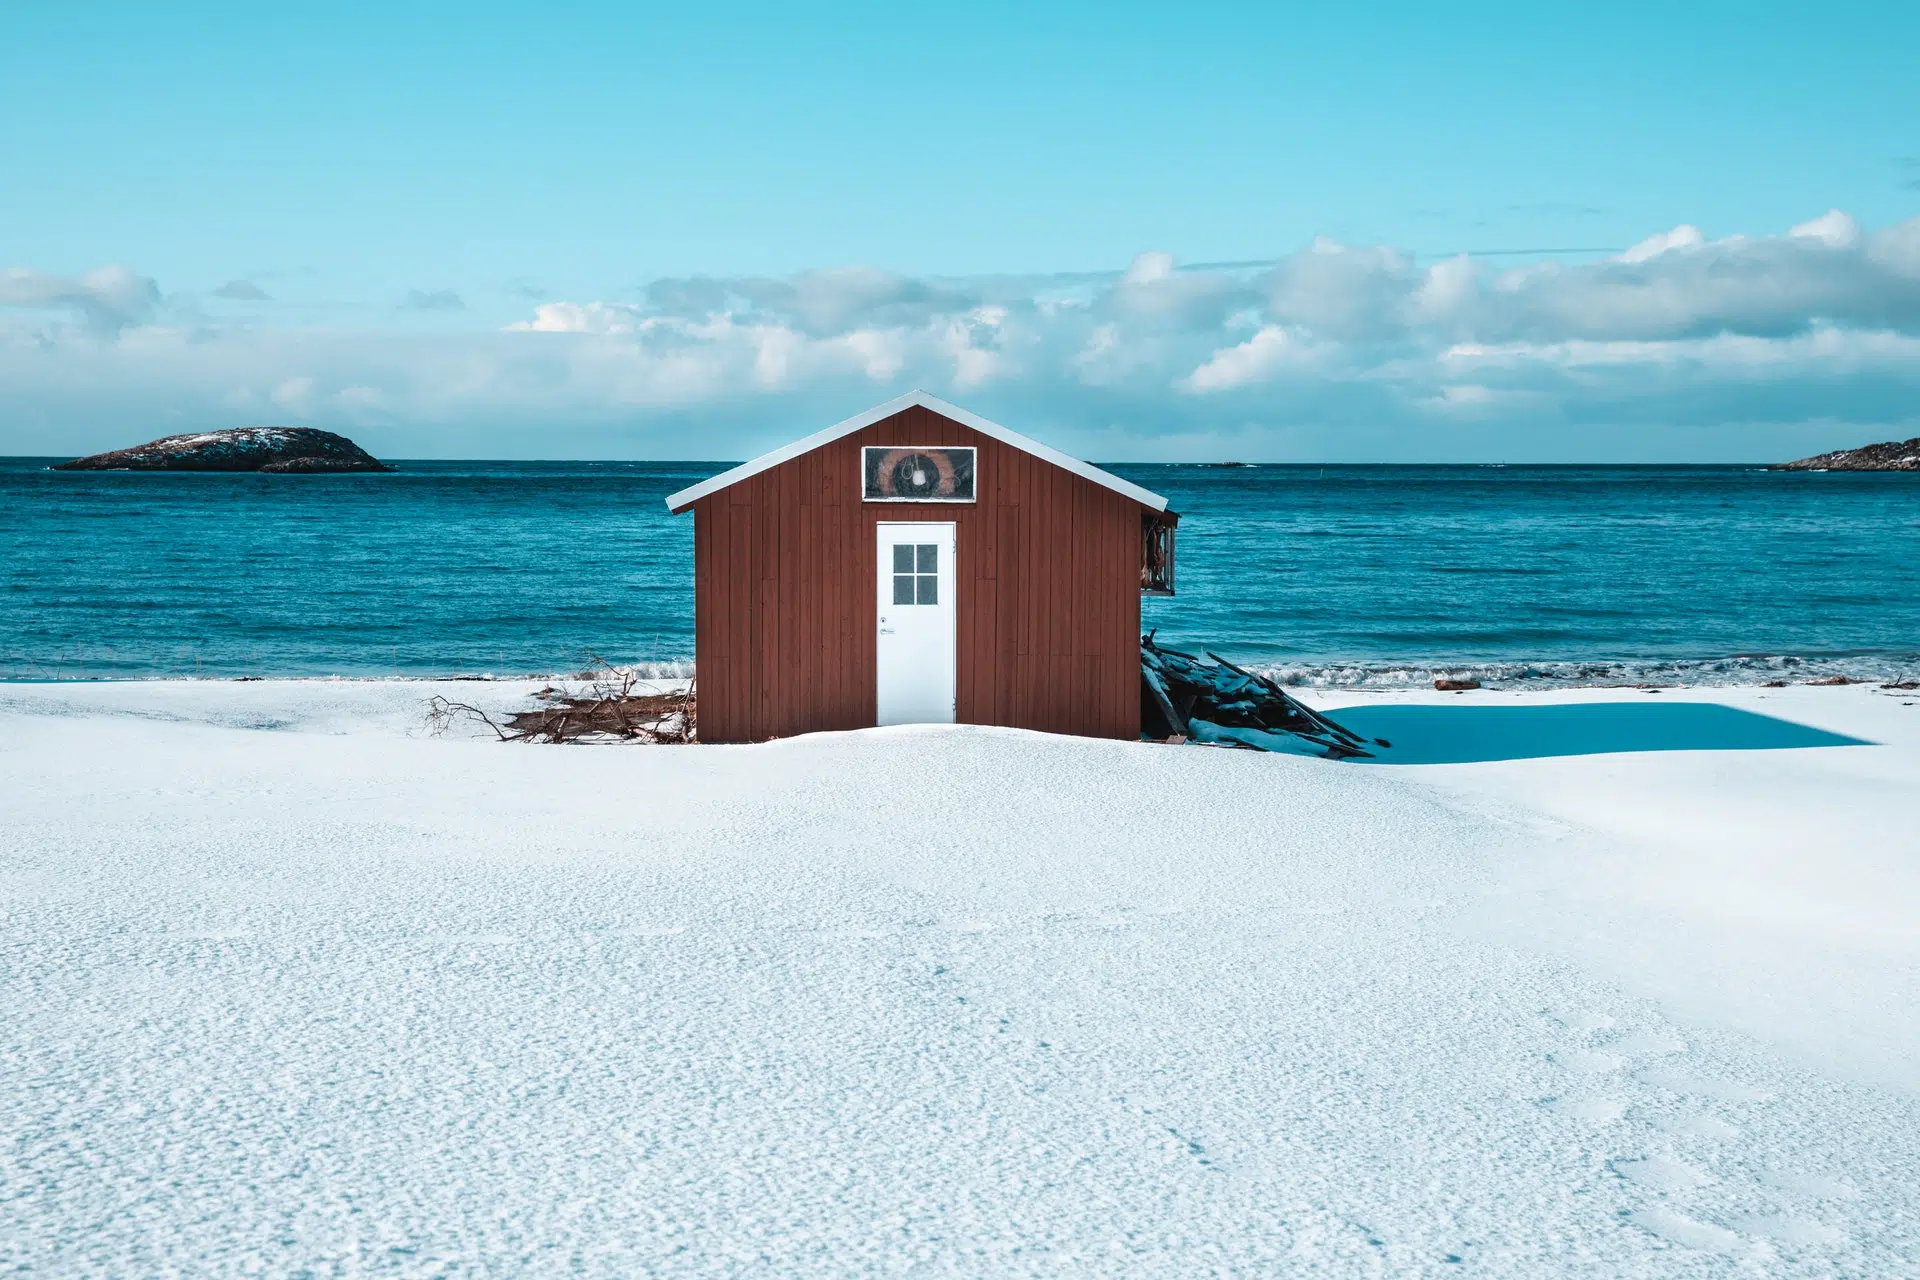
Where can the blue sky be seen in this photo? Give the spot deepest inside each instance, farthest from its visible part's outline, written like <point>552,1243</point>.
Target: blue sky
<point>693,231</point>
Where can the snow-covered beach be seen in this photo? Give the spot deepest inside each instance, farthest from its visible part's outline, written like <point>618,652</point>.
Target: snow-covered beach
<point>292,987</point>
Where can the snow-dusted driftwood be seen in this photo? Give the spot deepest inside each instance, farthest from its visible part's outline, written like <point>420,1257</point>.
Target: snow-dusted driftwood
<point>1220,703</point>
<point>611,707</point>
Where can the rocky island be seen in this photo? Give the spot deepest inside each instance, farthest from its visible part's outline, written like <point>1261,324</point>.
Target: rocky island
<point>1893,455</point>
<point>275,450</point>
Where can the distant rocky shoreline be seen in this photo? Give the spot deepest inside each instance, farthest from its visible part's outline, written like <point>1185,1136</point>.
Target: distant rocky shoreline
<point>1893,455</point>
<point>270,450</point>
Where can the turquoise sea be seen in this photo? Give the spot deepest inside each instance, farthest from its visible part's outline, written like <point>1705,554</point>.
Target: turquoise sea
<point>1345,575</point>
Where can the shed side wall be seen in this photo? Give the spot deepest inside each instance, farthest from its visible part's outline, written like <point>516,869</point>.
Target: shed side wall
<point>1048,609</point>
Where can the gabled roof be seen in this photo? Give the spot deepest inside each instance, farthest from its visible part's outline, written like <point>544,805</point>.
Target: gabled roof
<point>680,501</point>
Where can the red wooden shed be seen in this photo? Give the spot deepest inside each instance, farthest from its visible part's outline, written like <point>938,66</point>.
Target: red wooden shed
<point>917,563</point>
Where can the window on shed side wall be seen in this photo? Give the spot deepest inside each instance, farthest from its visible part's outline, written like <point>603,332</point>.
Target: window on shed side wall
<point>1156,552</point>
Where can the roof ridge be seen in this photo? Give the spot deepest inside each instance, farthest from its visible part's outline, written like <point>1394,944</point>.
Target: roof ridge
<point>678,502</point>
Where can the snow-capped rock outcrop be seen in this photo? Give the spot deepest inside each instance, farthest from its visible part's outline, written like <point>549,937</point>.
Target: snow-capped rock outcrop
<point>1893,455</point>
<point>270,449</point>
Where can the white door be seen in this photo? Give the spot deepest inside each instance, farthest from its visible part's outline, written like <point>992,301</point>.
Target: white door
<point>914,649</point>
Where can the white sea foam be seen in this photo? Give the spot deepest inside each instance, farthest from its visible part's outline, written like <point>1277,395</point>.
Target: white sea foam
<point>1730,672</point>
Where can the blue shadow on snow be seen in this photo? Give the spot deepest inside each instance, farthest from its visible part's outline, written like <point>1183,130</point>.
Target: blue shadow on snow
<point>1474,734</point>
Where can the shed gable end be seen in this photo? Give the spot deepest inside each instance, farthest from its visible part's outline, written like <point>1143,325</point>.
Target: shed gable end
<point>686,498</point>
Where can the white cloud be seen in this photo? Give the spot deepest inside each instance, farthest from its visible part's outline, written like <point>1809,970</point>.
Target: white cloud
<point>294,395</point>
<point>1836,350</point>
<point>108,299</point>
<point>1105,357</point>
<point>579,317</point>
<point>1258,359</point>
<point>1344,293</point>
<point>1897,249</point>
<point>1149,268</point>
<point>1463,403</point>
<point>241,291</point>
<point>1683,236</point>
<point>1820,322</point>
<point>882,355</point>
<point>1833,228</point>
<point>1447,291</point>
<point>364,403</point>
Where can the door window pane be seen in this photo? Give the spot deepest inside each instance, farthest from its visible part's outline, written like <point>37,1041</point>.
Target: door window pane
<point>916,573</point>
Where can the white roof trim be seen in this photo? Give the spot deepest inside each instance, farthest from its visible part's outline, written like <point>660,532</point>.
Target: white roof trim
<point>680,501</point>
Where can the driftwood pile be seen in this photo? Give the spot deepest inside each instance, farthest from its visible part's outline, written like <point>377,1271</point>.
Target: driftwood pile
<point>1218,703</point>
<point>612,706</point>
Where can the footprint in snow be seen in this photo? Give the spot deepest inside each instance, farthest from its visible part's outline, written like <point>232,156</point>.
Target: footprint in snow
<point>1709,1128</point>
<point>1689,1085</point>
<point>1645,1043</point>
<point>1798,1229</point>
<point>1814,1186</point>
<point>1583,1023</point>
<point>1790,1229</point>
<point>1785,1229</point>
<point>1660,1173</point>
<point>1586,1061</point>
<point>1596,1108</point>
<point>1680,1229</point>
<point>1646,1075</point>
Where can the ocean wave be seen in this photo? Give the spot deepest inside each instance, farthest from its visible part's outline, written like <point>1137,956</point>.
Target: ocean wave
<point>661,669</point>
<point>1742,669</point>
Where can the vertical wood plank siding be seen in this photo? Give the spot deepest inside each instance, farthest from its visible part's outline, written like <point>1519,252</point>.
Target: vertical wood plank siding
<point>1047,625</point>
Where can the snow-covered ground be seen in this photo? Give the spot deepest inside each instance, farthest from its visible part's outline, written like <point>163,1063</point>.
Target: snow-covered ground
<point>289,987</point>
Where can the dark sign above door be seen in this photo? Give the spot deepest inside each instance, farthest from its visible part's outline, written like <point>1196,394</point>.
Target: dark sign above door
<point>913,473</point>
